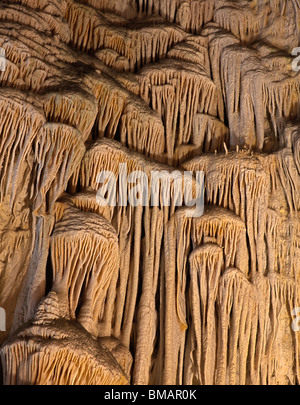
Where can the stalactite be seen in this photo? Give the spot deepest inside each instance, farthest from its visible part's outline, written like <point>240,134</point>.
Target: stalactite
<point>218,39</point>
<point>206,266</point>
<point>43,21</point>
<point>28,66</point>
<point>140,134</point>
<point>191,15</point>
<point>209,133</point>
<point>92,245</point>
<point>240,183</point>
<point>148,294</point>
<point>92,30</point>
<point>227,230</point>
<point>237,320</point>
<point>21,123</point>
<point>278,302</point>
<point>52,343</point>
<point>125,8</point>
<point>111,58</point>
<point>240,20</point>
<point>193,49</point>
<point>224,230</point>
<point>54,172</point>
<point>107,155</point>
<point>71,109</point>
<point>120,111</point>
<point>178,94</point>
<point>165,8</point>
<point>84,201</point>
<point>55,7</point>
<point>258,106</point>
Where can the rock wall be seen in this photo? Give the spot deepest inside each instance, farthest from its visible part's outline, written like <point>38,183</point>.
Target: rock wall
<point>148,294</point>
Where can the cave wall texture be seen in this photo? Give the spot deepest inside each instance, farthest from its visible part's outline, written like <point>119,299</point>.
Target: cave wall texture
<point>120,294</point>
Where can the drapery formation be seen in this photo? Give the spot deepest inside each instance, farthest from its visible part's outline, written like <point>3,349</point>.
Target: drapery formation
<point>147,294</point>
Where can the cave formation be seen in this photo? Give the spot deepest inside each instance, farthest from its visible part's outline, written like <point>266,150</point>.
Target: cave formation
<point>148,294</point>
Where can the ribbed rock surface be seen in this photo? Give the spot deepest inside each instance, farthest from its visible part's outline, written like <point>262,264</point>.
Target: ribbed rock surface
<point>148,294</point>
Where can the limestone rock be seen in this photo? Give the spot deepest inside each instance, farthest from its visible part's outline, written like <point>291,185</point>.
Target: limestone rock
<point>138,90</point>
